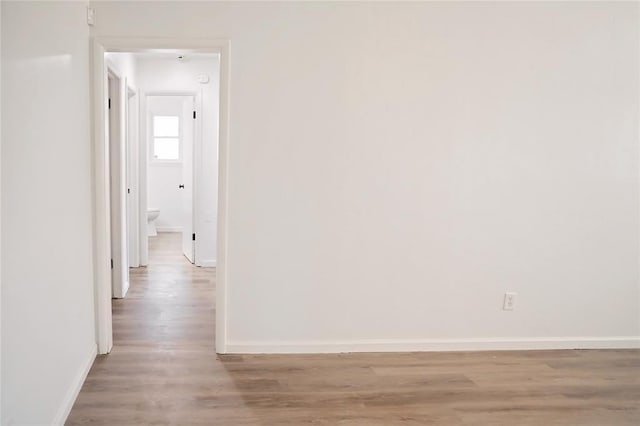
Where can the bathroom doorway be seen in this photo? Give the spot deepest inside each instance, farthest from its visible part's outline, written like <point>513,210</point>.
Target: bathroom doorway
<point>172,135</point>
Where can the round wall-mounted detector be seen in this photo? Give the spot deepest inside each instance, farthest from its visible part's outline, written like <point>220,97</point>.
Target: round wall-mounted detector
<point>202,78</point>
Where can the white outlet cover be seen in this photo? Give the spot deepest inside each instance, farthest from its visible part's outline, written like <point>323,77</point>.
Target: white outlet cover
<point>509,302</point>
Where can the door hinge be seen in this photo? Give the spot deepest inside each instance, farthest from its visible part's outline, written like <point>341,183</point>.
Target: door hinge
<point>111,263</point>
<point>194,115</point>
<point>128,190</point>
<point>193,237</point>
<point>109,103</point>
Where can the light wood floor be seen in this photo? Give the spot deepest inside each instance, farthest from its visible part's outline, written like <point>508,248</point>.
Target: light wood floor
<point>163,370</point>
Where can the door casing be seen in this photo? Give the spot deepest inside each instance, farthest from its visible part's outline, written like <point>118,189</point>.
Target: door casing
<point>102,239</point>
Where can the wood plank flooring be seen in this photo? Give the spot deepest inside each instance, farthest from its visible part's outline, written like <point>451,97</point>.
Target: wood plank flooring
<point>163,371</point>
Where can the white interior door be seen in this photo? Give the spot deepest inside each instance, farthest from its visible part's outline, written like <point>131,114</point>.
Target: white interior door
<point>133,222</point>
<point>117,175</point>
<point>188,137</point>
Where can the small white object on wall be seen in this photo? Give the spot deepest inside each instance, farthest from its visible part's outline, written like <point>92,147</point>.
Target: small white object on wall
<point>202,79</point>
<point>91,16</point>
<point>509,302</point>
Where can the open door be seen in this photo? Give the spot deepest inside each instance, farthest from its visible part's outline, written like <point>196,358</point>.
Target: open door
<point>188,138</point>
<point>117,176</point>
<point>132,171</point>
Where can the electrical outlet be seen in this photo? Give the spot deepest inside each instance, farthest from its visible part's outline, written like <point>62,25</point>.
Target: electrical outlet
<point>509,302</point>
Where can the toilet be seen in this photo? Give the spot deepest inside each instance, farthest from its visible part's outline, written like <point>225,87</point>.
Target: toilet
<point>152,215</point>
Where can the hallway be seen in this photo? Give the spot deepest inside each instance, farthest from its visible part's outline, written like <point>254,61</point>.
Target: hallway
<point>163,350</point>
<point>170,304</point>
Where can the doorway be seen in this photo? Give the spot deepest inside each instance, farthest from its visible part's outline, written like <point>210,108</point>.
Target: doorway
<point>172,137</point>
<point>103,179</point>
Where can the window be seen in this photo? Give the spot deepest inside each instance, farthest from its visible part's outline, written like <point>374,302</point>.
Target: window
<point>166,138</point>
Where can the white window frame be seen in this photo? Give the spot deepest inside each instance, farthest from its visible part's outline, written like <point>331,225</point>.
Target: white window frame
<point>153,137</point>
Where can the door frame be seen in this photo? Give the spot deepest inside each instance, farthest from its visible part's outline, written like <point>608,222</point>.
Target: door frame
<point>102,243</point>
<point>144,152</point>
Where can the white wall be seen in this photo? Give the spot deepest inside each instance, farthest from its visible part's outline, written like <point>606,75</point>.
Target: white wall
<point>395,168</point>
<point>48,334</point>
<point>125,63</point>
<point>158,75</point>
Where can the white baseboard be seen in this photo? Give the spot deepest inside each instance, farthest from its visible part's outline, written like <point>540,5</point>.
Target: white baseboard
<point>72,393</point>
<point>169,228</point>
<point>435,345</point>
<point>207,263</point>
